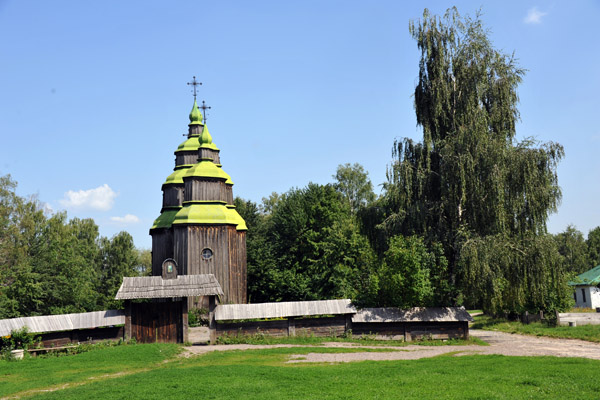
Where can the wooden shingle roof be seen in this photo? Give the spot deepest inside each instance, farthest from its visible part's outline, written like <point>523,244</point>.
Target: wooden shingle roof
<point>63,322</point>
<point>155,287</point>
<point>415,314</point>
<point>227,312</point>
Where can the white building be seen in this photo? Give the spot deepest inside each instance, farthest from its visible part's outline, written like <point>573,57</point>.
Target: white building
<point>587,293</point>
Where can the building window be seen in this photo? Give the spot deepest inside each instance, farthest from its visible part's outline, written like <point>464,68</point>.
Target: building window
<point>583,295</point>
<point>207,254</point>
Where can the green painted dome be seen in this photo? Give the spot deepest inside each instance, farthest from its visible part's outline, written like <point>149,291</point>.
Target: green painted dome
<point>205,140</point>
<point>165,219</point>
<point>207,169</point>
<point>205,213</point>
<point>195,115</point>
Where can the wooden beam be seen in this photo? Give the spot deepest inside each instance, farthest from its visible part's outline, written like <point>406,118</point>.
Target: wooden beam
<point>212,324</point>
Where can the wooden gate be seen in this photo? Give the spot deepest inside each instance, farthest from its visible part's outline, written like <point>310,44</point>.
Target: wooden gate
<point>157,321</point>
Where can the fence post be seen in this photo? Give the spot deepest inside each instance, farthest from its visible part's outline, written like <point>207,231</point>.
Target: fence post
<point>184,320</point>
<point>212,324</point>
<point>127,330</point>
<point>557,318</point>
<point>291,326</point>
<point>348,326</point>
<point>525,318</point>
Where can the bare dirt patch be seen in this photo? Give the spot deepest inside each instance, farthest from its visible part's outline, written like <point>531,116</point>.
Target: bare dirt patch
<point>499,343</point>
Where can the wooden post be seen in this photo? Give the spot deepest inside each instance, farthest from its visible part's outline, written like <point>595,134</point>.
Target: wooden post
<point>348,327</point>
<point>291,326</point>
<point>184,319</point>
<point>557,318</point>
<point>526,318</point>
<point>212,324</point>
<point>127,330</point>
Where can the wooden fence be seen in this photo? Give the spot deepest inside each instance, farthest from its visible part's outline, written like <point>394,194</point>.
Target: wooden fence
<point>339,317</point>
<point>63,329</point>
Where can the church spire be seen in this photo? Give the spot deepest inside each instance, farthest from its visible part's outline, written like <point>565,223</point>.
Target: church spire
<point>195,115</point>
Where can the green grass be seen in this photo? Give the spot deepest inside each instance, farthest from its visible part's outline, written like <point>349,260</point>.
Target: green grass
<point>584,332</point>
<point>35,373</point>
<point>263,374</point>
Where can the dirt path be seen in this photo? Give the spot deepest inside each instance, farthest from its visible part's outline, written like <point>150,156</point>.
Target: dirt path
<point>500,343</point>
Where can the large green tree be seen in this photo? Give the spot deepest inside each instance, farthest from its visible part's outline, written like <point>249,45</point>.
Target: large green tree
<point>409,275</point>
<point>118,257</point>
<point>469,178</point>
<point>52,265</point>
<point>307,247</point>
<point>574,250</point>
<point>353,182</point>
<point>593,247</point>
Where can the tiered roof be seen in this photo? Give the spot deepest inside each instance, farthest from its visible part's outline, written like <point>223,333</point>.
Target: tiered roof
<point>198,211</point>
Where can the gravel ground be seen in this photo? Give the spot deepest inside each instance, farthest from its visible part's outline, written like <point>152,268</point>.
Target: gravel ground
<point>500,343</point>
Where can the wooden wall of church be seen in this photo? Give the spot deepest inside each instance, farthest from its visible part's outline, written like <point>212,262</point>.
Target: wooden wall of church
<point>186,158</point>
<point>172,195</point>
<point>162,248</point>
<point>229,194</point>
<point>237,261</point>
<point>209,154</point>
<point>228,263</point>
<point>207,190</point>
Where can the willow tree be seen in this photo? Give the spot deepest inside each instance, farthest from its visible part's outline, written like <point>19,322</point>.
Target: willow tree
<point>469,177</point>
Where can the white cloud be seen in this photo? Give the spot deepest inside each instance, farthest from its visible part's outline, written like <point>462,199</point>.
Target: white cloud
<point>534,16</point>
<point>126,220</point>
<point>101,198</point>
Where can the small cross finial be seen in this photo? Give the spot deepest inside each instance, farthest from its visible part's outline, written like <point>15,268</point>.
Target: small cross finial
<point>194,83</point>
<point>204,107</point>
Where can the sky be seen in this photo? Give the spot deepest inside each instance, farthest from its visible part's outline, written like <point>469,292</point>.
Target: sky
<point>94,101</point>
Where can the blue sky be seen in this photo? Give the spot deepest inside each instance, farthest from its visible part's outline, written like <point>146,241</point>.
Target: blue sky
<point>93,95</point>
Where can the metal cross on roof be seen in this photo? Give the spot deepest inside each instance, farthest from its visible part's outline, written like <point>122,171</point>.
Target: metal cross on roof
<point>204,107</point>
<point>194,83</point>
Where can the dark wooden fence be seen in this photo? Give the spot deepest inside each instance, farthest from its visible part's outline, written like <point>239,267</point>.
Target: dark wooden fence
<point>286,319</point>
<point>95,335</point>
<point>410,331</point>
<point>293,326</point>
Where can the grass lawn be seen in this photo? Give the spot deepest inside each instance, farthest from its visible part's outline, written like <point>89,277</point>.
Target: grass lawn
<point>263,374</point>
<point>35,373</point>
<point>584,332</point>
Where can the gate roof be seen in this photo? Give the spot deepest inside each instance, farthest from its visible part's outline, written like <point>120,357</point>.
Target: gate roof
<point>154,287</point>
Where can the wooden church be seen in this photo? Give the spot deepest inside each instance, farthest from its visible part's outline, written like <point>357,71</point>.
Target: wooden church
<point>198,226</point>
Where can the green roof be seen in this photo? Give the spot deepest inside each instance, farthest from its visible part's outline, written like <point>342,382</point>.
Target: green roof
<point>205,213</point>
<point>588,278</point>
<point>235,215</point>
<point>191,144</point>
<point>207,169</point>
<point>165,219</point>
<point>177,175</point>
